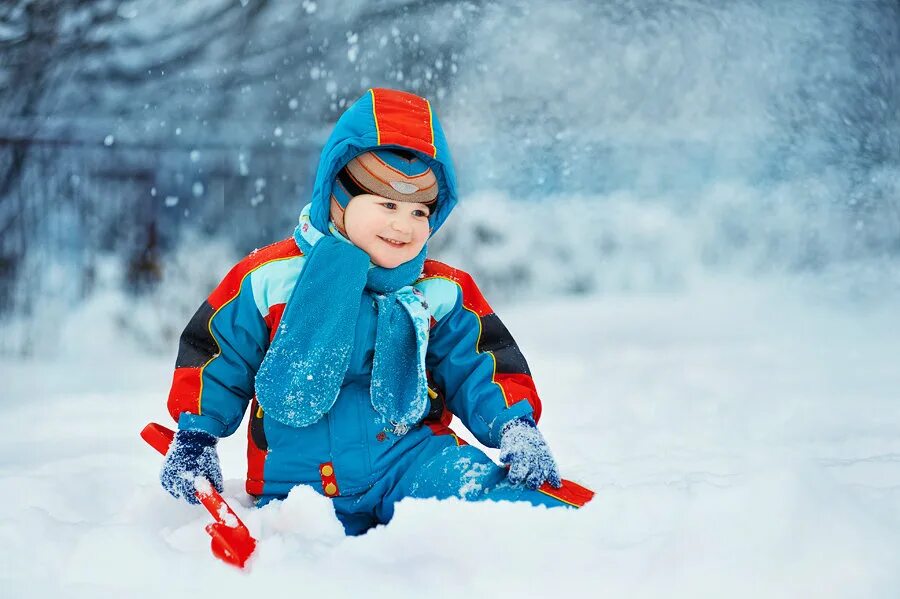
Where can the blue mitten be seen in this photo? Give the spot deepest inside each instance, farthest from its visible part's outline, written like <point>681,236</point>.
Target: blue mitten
<point>522,446</point>
<point>192,454</point>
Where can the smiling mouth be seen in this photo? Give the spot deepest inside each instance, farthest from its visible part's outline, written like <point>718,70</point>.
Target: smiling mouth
<point>392,242</point>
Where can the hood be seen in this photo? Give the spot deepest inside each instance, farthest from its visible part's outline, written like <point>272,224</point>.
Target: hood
<point>383,119</point>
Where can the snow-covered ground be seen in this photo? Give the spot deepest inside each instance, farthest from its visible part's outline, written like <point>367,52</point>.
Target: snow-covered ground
<point>743,439</point>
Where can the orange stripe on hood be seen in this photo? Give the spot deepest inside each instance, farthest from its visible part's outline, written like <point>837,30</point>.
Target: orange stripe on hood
<point>403,119</point>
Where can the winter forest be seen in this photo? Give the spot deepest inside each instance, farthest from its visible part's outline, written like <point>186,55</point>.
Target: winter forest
<point>686,212</point>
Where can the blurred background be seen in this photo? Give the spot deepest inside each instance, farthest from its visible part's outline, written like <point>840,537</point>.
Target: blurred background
<point>686,211</point>
<point>625,146</point>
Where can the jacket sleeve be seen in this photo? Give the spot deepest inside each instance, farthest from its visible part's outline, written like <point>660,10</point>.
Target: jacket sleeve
<point>473,358</point>
<point>220,351</point>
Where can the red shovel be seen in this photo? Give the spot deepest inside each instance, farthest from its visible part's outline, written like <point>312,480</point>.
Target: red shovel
<point>231,541</point>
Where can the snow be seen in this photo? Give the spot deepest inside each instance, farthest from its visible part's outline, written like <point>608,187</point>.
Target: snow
<point>741,437</point>
<point>201,485</point>
<point>225,516</point>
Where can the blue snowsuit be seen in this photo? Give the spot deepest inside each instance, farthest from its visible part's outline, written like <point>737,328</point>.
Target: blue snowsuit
<point>476,371</point>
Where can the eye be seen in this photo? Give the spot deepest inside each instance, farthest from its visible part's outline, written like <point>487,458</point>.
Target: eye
<point>421,213</point>
<point>389,205</point>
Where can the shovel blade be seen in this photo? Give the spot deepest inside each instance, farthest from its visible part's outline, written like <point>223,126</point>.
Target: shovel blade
<point>158,437</point>
<point>231,545</point>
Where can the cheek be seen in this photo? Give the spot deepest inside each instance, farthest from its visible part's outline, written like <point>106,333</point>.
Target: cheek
<point>361,224</point>
<point>421,231</point>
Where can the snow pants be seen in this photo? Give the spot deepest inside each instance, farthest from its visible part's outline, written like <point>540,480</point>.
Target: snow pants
<point>438,468</point>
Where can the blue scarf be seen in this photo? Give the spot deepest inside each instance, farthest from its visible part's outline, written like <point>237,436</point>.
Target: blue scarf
<point>300,377</point>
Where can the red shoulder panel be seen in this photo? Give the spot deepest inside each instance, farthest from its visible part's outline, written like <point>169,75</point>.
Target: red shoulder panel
<point>231,284</point>
<point>472,298</point>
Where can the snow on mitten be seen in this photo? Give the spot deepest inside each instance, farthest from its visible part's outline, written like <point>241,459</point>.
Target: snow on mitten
<point>192,454</point>
<point>523,447</point>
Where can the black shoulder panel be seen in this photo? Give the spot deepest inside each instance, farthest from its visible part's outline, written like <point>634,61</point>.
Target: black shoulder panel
<point>495,338</point>
<point>197,346</point>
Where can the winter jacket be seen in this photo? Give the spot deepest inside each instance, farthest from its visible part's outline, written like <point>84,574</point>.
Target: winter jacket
<point>475,365</point>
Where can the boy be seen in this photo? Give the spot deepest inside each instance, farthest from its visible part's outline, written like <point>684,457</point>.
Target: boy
<point>355,352</point>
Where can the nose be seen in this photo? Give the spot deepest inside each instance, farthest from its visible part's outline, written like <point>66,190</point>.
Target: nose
<point>399,223</point>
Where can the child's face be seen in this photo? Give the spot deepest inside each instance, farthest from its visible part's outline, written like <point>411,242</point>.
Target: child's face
<point>390,232</point>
